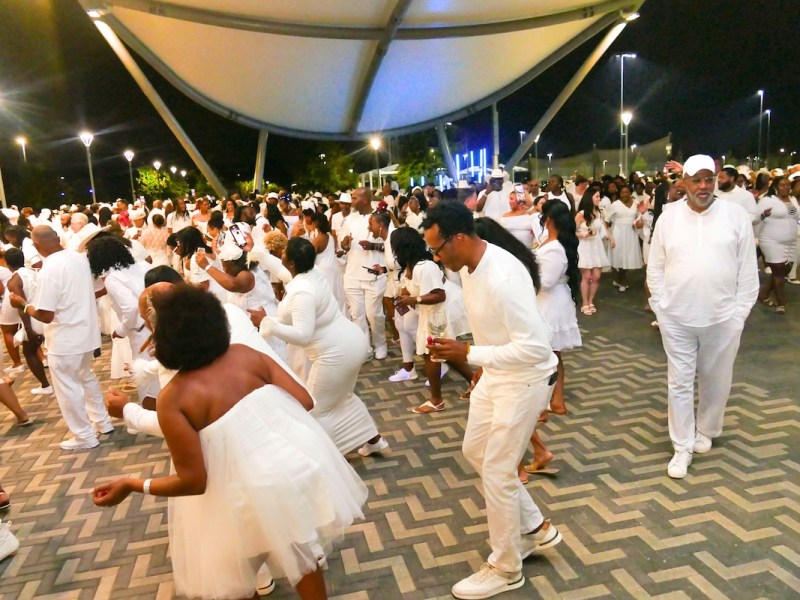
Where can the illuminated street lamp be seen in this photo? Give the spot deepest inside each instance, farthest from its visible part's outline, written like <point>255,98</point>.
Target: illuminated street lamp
<point>22,142</point>
<point>769,123</point>
<point>87,138</point>
<point>376,144</point>
<point>622,132</point>
<point>183,173</point>
<point>626,118</point>
<point>760,119</point>
<point>173,169</point>
<point>128,154</point>
<point>549,162</point>
<point>157,164</point>
<point>536,156</point>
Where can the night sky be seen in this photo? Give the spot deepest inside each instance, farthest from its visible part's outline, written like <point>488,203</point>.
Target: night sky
<point>699,66</point>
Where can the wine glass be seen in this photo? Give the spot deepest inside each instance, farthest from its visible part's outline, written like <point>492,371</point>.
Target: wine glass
<point>437,325</point>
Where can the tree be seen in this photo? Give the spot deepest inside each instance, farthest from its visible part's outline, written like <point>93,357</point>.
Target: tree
<point>639,163</point>
<point>151,183</point>
<point>419,158</point>
<point>329,169</point>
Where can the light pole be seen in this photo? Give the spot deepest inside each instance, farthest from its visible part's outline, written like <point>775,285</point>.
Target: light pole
<point>22,142</point>
<point>536,156</point>
<point>376,144</point>
<point>128,154</point>
<point>87,138</point>
<point>625,119</point>
<point>760,120</point>
<point>769,122</point>
<point>604,165</point>
<point>549,162</point>
<point>622,133</point>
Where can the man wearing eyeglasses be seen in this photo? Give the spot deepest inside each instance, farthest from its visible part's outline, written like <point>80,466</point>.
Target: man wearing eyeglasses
<point>703,281</point>
<point>512,347</point>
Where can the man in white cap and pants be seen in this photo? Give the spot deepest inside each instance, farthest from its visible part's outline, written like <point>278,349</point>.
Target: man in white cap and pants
<point>703,281</point>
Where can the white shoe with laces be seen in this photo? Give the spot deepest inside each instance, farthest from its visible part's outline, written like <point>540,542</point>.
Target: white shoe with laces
<point>702,443</point>
<point>15,370</point>
<point>42,391</point>
<point>679,464</point>
<point>8,541</point>
<point>487,582</point>
<point>533,543</point>
<point>403,375</point>
<point>76,444</point>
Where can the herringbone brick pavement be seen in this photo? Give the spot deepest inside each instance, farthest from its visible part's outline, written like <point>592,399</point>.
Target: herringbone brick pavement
<point>729,530</point>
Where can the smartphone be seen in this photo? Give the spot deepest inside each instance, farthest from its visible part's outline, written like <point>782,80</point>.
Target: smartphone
<point>372,271</point>
<point>400,308</point>
<point>238,237</point>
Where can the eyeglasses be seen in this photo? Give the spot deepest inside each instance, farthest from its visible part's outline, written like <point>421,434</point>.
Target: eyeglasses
<point>706,180</point>
<point>436,251</point>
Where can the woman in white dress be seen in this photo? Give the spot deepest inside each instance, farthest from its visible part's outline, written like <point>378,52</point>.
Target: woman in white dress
<point>518,220</point>
<point>626,253</point>
<point>777,239</point>
<point>424,288</point>
<point>191,244</point>
<point>560,289</point>
<point>319,233</point>
<point>591,231</point>
<point>9,324</point>
<point>180,218</point>
<point>309,317</point>
<point>123,279</point>
<point>254,478</point>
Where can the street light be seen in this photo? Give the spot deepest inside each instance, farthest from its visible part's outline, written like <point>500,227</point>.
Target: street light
<point>87,138</point>
<point>183,173</point>
<point>156,164</point>
<point>604,165</point>
<point>760,119</point>
<point>626,118</point>
<point>622,132</point>
<point>22,141</point>
<point>549,162</point>
<point>769,122</point>
<point>128,154</point>
<point>376,144</point>
<point>174,169</point>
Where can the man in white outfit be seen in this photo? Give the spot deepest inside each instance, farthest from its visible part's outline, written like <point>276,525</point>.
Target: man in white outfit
<point>703,282</point>
<point>65,303</point>
<point>363,285</point>
<point>493,201</point>
<point>519,367</point>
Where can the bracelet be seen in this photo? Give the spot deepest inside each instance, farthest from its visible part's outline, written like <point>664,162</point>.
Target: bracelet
<point>207,267</point>
<point>468,348</point>
<point>146,487</point>
<point>419,299</point>
<point>25,309</point>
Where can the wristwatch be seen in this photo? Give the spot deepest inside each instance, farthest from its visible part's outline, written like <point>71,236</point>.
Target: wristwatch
<point>419,299</point>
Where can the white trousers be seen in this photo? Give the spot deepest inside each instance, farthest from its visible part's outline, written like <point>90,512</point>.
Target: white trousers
<point>365,303</point>
<point>501,420</point>
<point>710,353</point>
<point>407,328</point>
<point>78,394</point>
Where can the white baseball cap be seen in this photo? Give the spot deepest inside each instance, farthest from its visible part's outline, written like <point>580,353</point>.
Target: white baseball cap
<point>697,163</point>
<point>346,198</point>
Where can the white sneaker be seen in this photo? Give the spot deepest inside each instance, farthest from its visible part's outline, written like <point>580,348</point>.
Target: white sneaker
<point>381,352</point>
<point>679,464</point>
<point>42,391</point>
<point>103,430</point>
<point>15,370</point>
<point>794,281</point>
<point>403,375</point>
<point>76,444</point>
<point>378,446</point>
<point>8,541</point>
<point>265,584</point>
<point>444,370</point>
<point>487,582</point>
<point>623,288</point>
<point>547,537</point>
<point>615,283</point>
<point>702,443</point>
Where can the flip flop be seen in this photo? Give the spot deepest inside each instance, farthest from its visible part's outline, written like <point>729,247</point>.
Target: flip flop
<point>555,412</point>
<point>26,423</point>
<point>4,504</point>
<point>428,407</point>
<point>543,471</point>
<point>767,301</point>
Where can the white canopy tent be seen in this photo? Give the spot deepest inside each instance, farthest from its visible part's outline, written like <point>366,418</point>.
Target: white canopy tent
<point>349,69</point>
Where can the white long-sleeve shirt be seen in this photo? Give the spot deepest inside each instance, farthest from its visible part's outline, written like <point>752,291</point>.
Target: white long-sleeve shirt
<point>124,287</point>
<point>511,341</point>
<point>702,266</point>
<point>744,199</point>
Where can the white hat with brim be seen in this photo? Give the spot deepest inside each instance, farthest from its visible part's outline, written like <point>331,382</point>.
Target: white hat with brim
<point>497,174</point>
<point>346,198</point>
<point>87,233</point>
<point>136,214</point>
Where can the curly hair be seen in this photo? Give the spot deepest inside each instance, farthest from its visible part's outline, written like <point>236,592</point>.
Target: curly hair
<point>189,241</point>
<point>106,253</point>
<point>491,231</point>
<point>191,329</point>
<point>409,247</point>
<point>557,212</point>
<point>275,241</point>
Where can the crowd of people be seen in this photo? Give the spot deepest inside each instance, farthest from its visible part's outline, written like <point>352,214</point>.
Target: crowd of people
<point>244,324</point>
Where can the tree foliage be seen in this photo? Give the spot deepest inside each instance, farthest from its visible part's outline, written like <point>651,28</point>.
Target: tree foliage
<point>151,184</point>
<point>329,169</point>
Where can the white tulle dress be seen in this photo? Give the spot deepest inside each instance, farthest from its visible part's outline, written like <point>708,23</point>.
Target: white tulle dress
<point>277,491</point>
<point>591,253</point>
